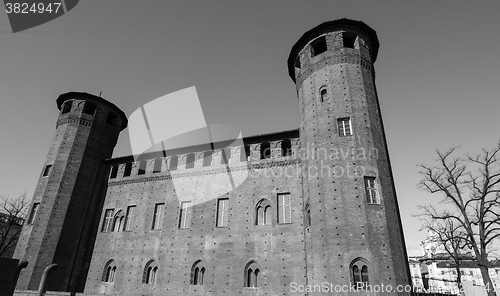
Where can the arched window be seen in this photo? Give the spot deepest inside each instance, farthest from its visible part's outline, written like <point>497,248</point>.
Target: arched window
<point>252,275</point>
<point>109,272</point>
<point>359,270</point>
<point>150,272</point>
<point>263,213</point>
<point>198,273</point>
<point>118,221</point>
<point>323,93</point>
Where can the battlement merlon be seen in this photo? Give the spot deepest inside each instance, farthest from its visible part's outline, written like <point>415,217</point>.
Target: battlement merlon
<point>277,146</point>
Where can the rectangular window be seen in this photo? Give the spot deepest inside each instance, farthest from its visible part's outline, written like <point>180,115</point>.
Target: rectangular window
<point>142,168</point>
<point>185,214</point>
<point>114,172</point>
<point>158,216</point>
<point>108,220</point>
<point>157,166</point>
<point>129,218</point>
<point>222,212</point>
<point>33,212</point>
<point>284,208</point>
<point>344,126</point>
<point>371,191</point>
<point>46,172</point>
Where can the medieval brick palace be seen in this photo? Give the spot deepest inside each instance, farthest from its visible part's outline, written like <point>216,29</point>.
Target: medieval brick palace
<point>119,226</point>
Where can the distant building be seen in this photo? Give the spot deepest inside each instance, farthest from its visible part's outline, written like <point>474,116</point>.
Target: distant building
<point>436,271</point>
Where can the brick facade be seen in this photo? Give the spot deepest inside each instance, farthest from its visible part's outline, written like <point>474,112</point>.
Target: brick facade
<point>325,193</point>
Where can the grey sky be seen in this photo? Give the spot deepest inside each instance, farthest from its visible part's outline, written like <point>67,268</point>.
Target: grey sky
<point>437,73</point>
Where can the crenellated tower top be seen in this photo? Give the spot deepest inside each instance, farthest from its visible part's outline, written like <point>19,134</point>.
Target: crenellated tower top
<point>330,38</point>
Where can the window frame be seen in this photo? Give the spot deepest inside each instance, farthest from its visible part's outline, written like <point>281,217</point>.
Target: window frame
<point>185,215</point>
<point>33,212</point>
<point>107,222</point>
<point>198,272</point>
<point>359,273</point>
<point>222,219</point>
<point>47,170</point>
<point>343,129</point>
<point>325,96</point>
<point>371,190</point>
<point>282,208</point>
<point>157,223</point>
<point>129,217</point>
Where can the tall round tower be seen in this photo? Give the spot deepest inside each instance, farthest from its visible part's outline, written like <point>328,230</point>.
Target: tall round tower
<point>353,229</point>
<point>61,225</point>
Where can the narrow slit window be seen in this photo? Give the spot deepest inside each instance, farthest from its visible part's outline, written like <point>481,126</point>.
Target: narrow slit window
<point>157,166</point>
<point>344,126</point>
<point>318,46</point>
<point>128,169</point>
<point>47,170</point>
<point>323,93</point>
<point>67,107</point>
<point>33,212</point>
<point>89,108</point>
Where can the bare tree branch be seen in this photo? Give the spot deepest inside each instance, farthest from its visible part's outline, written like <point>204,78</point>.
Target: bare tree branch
<point>470,187</point>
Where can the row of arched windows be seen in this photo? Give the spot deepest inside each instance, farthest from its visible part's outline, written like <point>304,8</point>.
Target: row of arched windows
<point>252,273</point>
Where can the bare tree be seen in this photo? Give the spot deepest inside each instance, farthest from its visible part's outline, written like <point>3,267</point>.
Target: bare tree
<point>470,186</point>
<point>12,215</point>
<point>452,237</point>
